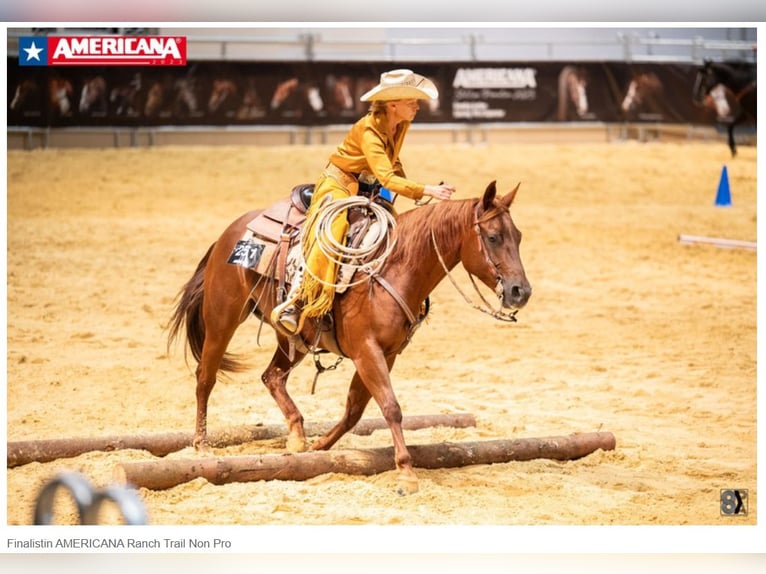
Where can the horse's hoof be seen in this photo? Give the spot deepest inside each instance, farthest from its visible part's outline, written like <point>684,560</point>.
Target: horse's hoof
<point>406,484</point>
<point>200,444</point>
<point>295,444</point>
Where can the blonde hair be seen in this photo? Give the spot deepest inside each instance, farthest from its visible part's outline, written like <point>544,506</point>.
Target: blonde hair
<point>378,106</point>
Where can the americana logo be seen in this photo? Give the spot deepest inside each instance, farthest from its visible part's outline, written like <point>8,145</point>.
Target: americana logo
<point>102,51</point>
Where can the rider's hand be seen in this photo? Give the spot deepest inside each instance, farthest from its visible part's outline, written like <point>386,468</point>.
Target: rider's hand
<point>441,191</point>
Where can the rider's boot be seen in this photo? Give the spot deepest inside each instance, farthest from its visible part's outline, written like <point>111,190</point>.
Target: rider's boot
<point>288,314</point>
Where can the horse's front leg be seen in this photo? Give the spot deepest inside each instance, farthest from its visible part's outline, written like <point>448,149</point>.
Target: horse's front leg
<point>374,370</point>
<point>358,397</point>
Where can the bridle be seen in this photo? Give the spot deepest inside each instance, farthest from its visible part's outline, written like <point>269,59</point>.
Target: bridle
<point>498,314</point>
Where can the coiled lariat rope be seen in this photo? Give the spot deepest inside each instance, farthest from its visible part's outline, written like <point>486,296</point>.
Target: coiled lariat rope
<point>344,255</point>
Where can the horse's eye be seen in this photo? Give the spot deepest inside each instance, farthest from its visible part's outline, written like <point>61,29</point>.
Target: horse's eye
<point>492,238</point>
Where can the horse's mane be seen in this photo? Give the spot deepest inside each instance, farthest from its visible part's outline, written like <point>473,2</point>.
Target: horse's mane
<point>448,220</point>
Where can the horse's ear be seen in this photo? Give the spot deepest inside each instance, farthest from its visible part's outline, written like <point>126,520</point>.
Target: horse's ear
<point>489,195</point>
<point>507,200</point>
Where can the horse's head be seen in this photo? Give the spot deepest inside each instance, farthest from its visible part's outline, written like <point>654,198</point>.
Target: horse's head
<point>709,76</point>
<point>223,90</point>
<point>93,92</point>
<point>154,99</point>
<point>644,87</point>
<point>572,92</point>
<point>24,95</point>
<point>630,101</point>
<point>492,253</point>
<point>579,95</point>
<point>704,82</point>
<point>60,92</point>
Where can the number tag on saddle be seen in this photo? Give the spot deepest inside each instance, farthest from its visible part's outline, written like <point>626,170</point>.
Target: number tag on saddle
<point>247,253</point>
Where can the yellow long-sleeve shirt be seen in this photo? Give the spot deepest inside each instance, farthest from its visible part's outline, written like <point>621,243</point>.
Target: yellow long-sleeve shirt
<point>369,147</point>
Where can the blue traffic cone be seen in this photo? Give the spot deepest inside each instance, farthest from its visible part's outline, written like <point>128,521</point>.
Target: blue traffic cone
<point>723,197</point>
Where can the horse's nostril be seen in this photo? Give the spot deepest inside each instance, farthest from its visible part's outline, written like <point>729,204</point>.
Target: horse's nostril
<point>519,293</point>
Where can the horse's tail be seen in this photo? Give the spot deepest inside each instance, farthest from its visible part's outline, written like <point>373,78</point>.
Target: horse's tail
<point>188,313</point>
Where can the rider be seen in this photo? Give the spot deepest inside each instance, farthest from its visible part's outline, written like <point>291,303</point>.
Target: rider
<point>371,147</point>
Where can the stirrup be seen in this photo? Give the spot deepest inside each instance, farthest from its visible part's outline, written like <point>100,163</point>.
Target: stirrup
<point>288,317</point>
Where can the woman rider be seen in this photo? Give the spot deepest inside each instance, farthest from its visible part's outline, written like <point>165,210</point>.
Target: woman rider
<point>371,147</point>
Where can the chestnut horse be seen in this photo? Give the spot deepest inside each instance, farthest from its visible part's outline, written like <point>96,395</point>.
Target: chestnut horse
<point>644,97</point>
<point>573,94</point>
<point>373,320</point>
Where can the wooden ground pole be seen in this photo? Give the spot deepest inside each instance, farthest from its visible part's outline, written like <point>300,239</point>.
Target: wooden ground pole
<point>24,452</point>
<point>163,474</point>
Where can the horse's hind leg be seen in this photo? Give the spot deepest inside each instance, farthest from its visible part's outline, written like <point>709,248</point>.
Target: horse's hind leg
<point>275,378</point>
<point>213,351</point>
<point>221,317</point>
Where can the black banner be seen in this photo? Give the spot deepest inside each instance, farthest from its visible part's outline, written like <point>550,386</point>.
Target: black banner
<point>323,93</point>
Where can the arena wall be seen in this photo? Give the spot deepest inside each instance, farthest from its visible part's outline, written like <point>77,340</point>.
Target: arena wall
<point>609,55</point>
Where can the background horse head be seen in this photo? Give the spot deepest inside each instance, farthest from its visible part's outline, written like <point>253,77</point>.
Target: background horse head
<point>373,320</point>
<point>572,94</point>
<point>340,94</point>
<point>155,99</point>
<point>186,100</point>
<point>644,94</point>
<point>93,96</point>
<point>296,98</point>
<point>224,97</point>
<point>363,85</point>
<point>124,97</point>
<point>251,106</point>
<point>730,89</point>
<point>26,97</point>
<point>60,96</point>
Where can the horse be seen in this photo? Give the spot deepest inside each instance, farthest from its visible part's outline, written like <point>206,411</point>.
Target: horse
<point>295,98</point>
<point>26,98</point>
<point>340,98</point>
<point>186,101</point>
<point>731,90</point>
<point>123,98</point>
<point>155,98</point>
<point>572,94</point>
<point>373,319</point>
<point>224,96</point>
<point>93,99</point>
<point>60,96</point>
<point>251,106</point>
<point>643,95</point>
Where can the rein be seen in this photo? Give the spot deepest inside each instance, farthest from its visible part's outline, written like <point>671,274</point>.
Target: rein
<point>509,317</point>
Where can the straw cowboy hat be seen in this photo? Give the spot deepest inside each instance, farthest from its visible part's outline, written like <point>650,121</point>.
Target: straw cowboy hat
<point>402,85</point>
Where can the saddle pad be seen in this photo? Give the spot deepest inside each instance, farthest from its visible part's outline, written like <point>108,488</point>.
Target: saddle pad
<point>254,253</point>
